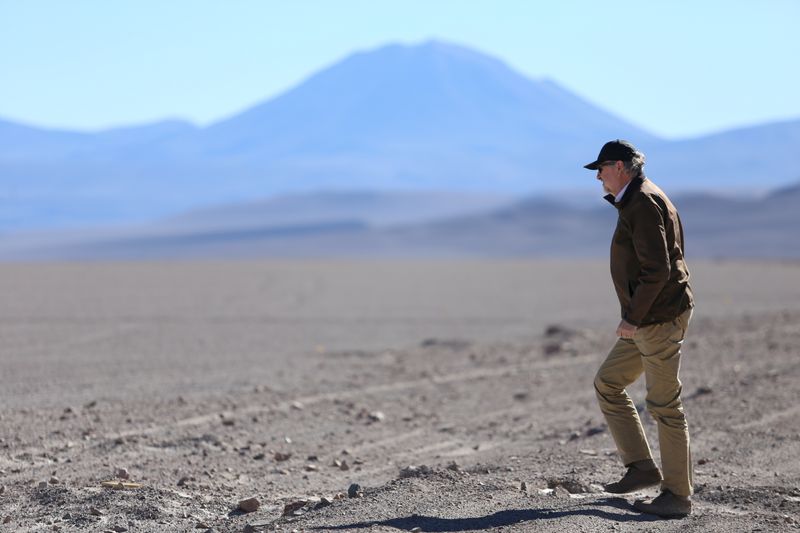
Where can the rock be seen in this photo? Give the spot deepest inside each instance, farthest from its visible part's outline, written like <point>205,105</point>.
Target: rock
<point>311,468</point>
<point>2,489</point>
<point>119,529</point>
<point>354,491</point>
<point>572,486</point>
<point>7,519</point>
<point>560,492</point>
<point>228,422</point>
<point>43,484</point>
<point>253,528</point>
<point>184,480</point>
<point>595,431</point>
<point>259,456</point>
<point>343,466</point>
<point>202,525</point>
<point>297,405</point>
<point>416,529</point>
<point>376,416</point>
<point>323,502</point>
<point>123,473</point>
<point>249,505</point>
<point>523,487</point>
<point>282,456</point>
<point>293,507</point>
<point>94,511</point>
<point>551,348</point>
<point>415,471</point>
<point>454,466</point>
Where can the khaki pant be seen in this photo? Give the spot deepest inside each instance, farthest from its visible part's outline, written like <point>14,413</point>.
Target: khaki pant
<point>656,351</point>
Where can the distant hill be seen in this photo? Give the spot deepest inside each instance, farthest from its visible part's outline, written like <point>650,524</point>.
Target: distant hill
<point>430,117</point>
<point>716,227</point>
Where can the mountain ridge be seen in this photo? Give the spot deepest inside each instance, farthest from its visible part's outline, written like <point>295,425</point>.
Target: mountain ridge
<point>433,116</point>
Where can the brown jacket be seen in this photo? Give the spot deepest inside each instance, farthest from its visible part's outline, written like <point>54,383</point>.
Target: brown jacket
<point>647,265</point>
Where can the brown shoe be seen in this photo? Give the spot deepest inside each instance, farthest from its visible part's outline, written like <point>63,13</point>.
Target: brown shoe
<point>665,505</point>
<point>633,480</point>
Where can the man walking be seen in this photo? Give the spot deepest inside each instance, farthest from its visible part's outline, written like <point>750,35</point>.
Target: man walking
<point>652,283</point>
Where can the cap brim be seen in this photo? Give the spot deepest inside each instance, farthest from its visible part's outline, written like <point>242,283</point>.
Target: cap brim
<point>594,165</point>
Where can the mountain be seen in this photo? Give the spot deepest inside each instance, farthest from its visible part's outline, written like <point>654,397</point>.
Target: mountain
<point>429,117</point>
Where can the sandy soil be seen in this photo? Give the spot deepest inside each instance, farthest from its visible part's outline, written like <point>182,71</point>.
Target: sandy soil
<point>457,395</point>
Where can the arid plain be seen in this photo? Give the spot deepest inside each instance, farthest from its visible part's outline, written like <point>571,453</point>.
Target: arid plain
<point>457,395</point>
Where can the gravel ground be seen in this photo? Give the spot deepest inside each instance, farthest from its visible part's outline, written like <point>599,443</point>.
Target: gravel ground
<point>374,396</point>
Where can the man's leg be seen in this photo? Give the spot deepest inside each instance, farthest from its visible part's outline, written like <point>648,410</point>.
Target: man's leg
<point>661,349</point>
<point>622,366</point>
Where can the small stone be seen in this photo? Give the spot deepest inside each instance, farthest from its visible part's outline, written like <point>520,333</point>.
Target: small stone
<point>416,529</point>
<point>344,466</point>
<point>7,519</point>
<point>293,507</point>
<point>287,440</point>
<point>354,491</point>
<point>560,492</point>
<point>415,471</point>
<point>324,502</point>
<point>202,525</point>
<point>184,480</point>
<point>454,467</point>
<point>377,416</point>
<point>297,405</point>
<point>228,422</point>
<point>259,456</point>
<point>120,529</point>
<point>94,511</point>
<point>122,473</point>
<point>282,456</point>
<point>523,487</point>
<point>249,505</point>
<point>595,431</point>
<point>43,484</point>
<point>2,489</point>
<point>311,468</point>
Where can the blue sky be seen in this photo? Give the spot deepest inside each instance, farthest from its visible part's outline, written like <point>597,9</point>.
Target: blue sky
<point>678,68</point>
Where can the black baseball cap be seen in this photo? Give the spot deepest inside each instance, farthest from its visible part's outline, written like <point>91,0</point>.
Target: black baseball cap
<point>617,150</point>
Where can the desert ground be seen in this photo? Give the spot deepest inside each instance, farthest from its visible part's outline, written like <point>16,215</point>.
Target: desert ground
<point>433,396</point>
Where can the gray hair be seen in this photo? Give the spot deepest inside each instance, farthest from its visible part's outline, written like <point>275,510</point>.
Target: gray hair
<point>634,166</point>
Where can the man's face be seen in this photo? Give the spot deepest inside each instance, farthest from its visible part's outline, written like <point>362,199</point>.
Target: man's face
<point>612,174</point>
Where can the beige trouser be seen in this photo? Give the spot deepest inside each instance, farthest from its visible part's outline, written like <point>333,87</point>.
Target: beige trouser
<point>656,351</point>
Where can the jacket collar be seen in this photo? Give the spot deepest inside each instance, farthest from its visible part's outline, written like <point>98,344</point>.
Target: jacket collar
<point>634,186</point>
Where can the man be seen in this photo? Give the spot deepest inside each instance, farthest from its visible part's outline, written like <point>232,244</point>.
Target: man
<point>652,283</point>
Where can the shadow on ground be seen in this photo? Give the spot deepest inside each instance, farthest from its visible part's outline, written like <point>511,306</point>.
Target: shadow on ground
<point>503,518</point>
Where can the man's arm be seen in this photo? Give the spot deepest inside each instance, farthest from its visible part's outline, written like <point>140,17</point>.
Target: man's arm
<point>650,245</point>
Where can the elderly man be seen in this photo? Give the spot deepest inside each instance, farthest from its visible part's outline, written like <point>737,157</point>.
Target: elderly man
<point>652,283</point>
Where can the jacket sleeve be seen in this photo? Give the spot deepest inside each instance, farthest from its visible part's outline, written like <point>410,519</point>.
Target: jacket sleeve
<point>650,246</point>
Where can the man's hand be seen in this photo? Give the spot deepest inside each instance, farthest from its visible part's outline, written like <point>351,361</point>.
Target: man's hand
<point>626,330</point>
